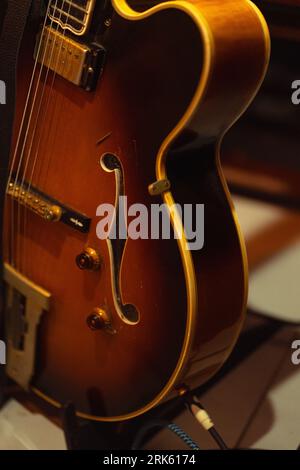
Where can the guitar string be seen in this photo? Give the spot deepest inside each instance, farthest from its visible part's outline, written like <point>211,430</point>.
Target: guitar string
<point>24,140</point>
<point>41,123</point>
<point>57,105</point>
<point>50,118</point>
<point>26,104</point>
<point>14,231</point>
<point>20,238</point>
<point>50,139</point>
<point>14,158</point>
<point>40,172</point>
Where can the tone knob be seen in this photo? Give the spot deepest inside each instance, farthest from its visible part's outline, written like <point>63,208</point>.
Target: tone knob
<point>88,260</point>
<point>98,320</point>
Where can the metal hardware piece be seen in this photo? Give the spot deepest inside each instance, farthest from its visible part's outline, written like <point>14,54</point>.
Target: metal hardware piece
<point>88,260</point>
<point>35,202</point>
<point>46,207</point>
<point>25,304</point>
<point>54,213</point>
<point>100,320</point>
<point>182,390</point>
<point>159,187</point>
<point>76,62</point>
<point>108,22</point>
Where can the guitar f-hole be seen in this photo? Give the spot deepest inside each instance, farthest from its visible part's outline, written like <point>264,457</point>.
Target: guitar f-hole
<point>116,244</point>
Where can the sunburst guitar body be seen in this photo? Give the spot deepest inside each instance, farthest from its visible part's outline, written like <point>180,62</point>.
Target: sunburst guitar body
<point>133,101</point>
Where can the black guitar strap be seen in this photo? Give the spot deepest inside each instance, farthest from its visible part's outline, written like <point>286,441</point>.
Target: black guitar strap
<point>13,18</point>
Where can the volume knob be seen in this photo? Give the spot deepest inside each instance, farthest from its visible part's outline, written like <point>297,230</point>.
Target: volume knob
<point>89,260</point>
<point>98,320</point>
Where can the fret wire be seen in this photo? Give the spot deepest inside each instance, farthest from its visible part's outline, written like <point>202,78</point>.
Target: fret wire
<point>77,22</point>
<point>74,5</point>
<point>71,17</point>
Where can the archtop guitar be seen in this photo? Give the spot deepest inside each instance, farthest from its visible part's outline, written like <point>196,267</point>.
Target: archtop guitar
<point>126,101</point>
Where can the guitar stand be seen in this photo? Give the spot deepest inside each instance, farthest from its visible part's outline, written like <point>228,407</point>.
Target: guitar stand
<point>84,435</point>
<point>81,434</point>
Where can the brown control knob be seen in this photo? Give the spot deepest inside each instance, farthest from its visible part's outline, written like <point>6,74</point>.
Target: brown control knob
<point>89,260</point>
<point>98,320</point>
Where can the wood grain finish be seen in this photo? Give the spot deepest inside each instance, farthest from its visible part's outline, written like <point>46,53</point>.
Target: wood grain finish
<point>162,70</point>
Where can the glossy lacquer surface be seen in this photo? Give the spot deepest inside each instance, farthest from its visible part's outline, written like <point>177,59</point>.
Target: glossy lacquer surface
<point>175,79</point>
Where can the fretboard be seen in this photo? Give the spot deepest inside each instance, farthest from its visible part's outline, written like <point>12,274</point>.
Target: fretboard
<point>74,15</point>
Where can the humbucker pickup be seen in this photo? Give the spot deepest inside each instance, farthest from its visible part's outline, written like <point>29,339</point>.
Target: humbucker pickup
<point>76,62</point>
<point>46,207</point>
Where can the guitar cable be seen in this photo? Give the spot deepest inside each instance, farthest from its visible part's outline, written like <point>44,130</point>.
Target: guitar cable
<point>142,434</point>
<point>201,415</point>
